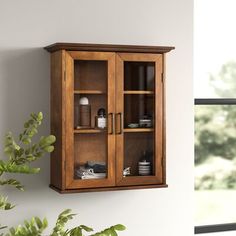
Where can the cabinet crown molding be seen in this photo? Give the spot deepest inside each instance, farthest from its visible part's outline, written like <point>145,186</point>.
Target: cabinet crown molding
<point>107,48</point>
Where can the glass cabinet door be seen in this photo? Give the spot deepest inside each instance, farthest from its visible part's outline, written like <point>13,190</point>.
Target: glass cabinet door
<point>139,124</point>
<point>90,109</point>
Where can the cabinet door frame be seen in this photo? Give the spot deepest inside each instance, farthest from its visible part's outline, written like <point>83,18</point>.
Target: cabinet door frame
<point>70,57</point>
<point>159,176</point>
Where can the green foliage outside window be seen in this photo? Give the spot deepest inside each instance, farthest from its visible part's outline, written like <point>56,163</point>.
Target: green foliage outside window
<point>215,135</point>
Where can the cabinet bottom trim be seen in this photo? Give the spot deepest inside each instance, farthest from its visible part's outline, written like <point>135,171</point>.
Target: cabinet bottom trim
<point>108,188</point>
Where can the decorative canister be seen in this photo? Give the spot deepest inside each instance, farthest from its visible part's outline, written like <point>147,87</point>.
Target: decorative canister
<point>144,168</point>
<point>145,121</point>
<point>84,113</point>
<point>144,165</point>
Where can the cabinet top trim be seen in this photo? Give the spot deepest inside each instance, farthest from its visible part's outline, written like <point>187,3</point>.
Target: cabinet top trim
<point>107,48</point>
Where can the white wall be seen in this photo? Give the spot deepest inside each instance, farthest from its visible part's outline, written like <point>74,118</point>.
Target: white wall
<point>27,26</point>
<point>227,233</point>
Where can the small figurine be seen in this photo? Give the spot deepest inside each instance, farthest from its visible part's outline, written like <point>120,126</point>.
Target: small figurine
<point>126,171</point>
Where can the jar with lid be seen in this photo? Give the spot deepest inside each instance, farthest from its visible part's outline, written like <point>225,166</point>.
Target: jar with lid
<point>144,164</point>
<point>100,119</point>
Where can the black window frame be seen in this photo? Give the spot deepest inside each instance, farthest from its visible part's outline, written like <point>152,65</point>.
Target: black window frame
<point>216,227</point>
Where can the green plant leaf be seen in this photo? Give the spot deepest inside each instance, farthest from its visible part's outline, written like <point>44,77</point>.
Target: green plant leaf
<point>10,146</point>
<point>40,116</point>
<point>12,182</point>
<point>34,227</point>
<point>47,141</point>
<point>2,227</point>
<point>62,219</point>
<point>14,168</point>
<point>38,222</point>
<point>12,231</point>
<point>110,231</point>
<point>86,228</point>
<point>4,204</point>
<point>75,232</point>
<point>26,140</point>
<point>113,233</point>
<point>119,227</point>
<point>48,149</point>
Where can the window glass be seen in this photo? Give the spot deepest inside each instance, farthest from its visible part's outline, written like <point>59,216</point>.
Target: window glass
<point>215,164</point>
<point>215,125</point>
<point>214,49</point>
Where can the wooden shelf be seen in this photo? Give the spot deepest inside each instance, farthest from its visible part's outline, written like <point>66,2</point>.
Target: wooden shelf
<point>138,92</point>
<point>126,130</point>
<point>134,130</point>
<point>88,131</point>
<point>89,92</point>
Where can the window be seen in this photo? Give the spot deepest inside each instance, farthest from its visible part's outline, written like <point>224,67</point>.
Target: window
<point>215,115</point>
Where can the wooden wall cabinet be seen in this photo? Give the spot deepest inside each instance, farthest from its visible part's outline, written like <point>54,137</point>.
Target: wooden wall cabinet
<point>129,83</point>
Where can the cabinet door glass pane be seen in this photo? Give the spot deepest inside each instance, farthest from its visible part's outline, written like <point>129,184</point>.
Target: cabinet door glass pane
<point>139,116</point>
<point>139,75</point>
<point>90,119</point>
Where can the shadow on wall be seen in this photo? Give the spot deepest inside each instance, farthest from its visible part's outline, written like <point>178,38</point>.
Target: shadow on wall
<point>25,88</point>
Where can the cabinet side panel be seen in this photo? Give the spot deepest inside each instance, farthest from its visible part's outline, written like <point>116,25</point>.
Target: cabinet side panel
<point>164,116</point>
<point>57,118</point>
<point>159,120</point>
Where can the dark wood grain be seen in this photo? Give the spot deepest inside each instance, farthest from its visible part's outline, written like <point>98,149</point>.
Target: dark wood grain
<point>119,110</point>
<point>69,124</point>
<point>107,48</point>
<point>58,119</point>
<point>97,72</point>
<point>116,188</point>
<point>121,143</point>
<point>101,147</point>
<point>159,119</point>
<point>164,117</point>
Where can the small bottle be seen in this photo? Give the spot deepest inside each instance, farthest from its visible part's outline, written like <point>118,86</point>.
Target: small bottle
<point>101,119</point>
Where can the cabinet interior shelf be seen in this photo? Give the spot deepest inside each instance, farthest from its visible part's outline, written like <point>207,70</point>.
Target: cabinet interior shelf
<point>134,130</point>
<point>138,92</point>
<point>88,131</point>
<point>89,92</point>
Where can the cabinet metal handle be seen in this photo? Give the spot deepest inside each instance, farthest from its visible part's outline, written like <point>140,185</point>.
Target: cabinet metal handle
<point>121,123</point>
<point>112,115</point>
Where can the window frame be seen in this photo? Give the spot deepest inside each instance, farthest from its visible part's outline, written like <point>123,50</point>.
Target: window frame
<point>216,227</point>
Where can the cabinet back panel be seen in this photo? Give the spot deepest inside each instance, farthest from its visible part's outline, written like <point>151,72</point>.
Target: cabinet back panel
<point>136,106</point>
<point>134,146</point>
<point>139,75</point>
<point>96,102</point>
<point>90,147</point>
<point>90,75</point>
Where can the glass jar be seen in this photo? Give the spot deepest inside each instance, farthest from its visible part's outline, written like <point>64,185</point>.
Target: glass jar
<point>100,120</point>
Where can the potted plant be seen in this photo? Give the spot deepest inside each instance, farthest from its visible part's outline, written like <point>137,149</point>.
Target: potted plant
<point>20,154</point>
